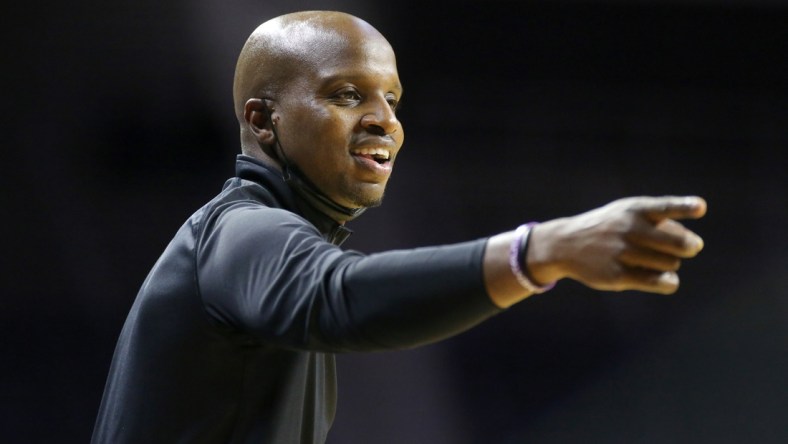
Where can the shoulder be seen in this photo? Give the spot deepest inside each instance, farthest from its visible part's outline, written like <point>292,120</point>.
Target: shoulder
<point>248,217</point>
<point>245,207</point>
<point>245,221</point>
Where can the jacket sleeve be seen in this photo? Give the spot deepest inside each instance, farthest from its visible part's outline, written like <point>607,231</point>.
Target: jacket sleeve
<point>270,274</point>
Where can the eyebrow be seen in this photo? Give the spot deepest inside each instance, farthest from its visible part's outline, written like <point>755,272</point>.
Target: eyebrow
<point>355,78</point>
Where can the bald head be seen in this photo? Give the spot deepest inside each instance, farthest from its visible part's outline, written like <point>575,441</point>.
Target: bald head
<point>286,47</point>
<point>316,93</point>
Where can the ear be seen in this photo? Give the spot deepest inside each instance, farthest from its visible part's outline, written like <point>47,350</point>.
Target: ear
<point>258,116</point>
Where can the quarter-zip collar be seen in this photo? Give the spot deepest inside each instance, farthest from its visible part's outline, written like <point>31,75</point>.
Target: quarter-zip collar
<point>252,169</point>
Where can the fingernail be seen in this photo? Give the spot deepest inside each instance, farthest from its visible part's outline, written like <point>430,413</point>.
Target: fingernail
<point>696,243</point>
<point>697,204</point>
<point>670,282</point>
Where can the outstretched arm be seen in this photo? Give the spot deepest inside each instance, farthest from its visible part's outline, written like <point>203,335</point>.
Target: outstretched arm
<point>629,244</point>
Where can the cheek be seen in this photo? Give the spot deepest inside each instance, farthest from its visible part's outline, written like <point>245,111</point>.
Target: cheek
<point>335,137</point>
<point>324,122</point>
<point>341,127</point>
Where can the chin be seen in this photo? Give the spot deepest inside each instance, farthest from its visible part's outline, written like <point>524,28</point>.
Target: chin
<point>365,201</point>
<point>376,202</point>
<point>364,197</point>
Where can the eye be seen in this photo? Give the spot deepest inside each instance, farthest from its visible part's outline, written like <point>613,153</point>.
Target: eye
<point>393,102</point>
<point>346,97</point>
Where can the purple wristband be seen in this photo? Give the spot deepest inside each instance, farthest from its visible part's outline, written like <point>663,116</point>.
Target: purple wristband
<point>520,241</point>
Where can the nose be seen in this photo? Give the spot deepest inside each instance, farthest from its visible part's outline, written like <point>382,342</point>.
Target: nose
<point>380,118</point>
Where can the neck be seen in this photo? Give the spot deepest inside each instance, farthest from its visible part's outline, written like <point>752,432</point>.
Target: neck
<point>312,195</point>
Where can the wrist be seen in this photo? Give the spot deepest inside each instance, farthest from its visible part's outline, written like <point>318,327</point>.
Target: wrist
<point>539,261</point>
<point>520,265</point>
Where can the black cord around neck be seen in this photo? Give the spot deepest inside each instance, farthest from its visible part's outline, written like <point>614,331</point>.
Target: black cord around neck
<point>299,183</point>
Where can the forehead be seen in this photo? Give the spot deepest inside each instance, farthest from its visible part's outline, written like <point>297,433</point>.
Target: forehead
<point>358,53</point>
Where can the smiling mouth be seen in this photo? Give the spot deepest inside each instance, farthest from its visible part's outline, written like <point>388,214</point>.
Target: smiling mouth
<point>379,155</point>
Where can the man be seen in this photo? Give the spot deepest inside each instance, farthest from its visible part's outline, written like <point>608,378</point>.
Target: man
<point>232,335</point>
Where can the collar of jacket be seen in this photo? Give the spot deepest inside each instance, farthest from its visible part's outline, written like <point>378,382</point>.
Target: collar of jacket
<point>250,168</point>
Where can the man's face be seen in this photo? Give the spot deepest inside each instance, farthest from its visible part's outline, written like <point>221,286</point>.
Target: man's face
<point>336,120</point>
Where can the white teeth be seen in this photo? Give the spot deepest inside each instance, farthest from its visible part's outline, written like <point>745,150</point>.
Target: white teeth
<point>379,152</point>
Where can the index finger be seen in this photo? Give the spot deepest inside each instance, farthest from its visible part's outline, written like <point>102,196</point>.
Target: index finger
<point>671,207</point>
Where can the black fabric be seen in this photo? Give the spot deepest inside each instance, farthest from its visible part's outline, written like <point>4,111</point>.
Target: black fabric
<point>231,337</point>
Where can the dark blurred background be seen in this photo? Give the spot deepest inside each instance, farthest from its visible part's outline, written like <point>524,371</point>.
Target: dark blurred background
<point>118,123</point>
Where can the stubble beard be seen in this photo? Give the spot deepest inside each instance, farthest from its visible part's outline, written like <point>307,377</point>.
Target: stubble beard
<point>362,198</point>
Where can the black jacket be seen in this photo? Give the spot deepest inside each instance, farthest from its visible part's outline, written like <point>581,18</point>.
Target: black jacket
<point>231,337</point>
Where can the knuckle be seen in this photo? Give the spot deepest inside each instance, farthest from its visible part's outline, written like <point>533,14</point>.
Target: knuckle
<point>679,242</point>
<point>616,272</point>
